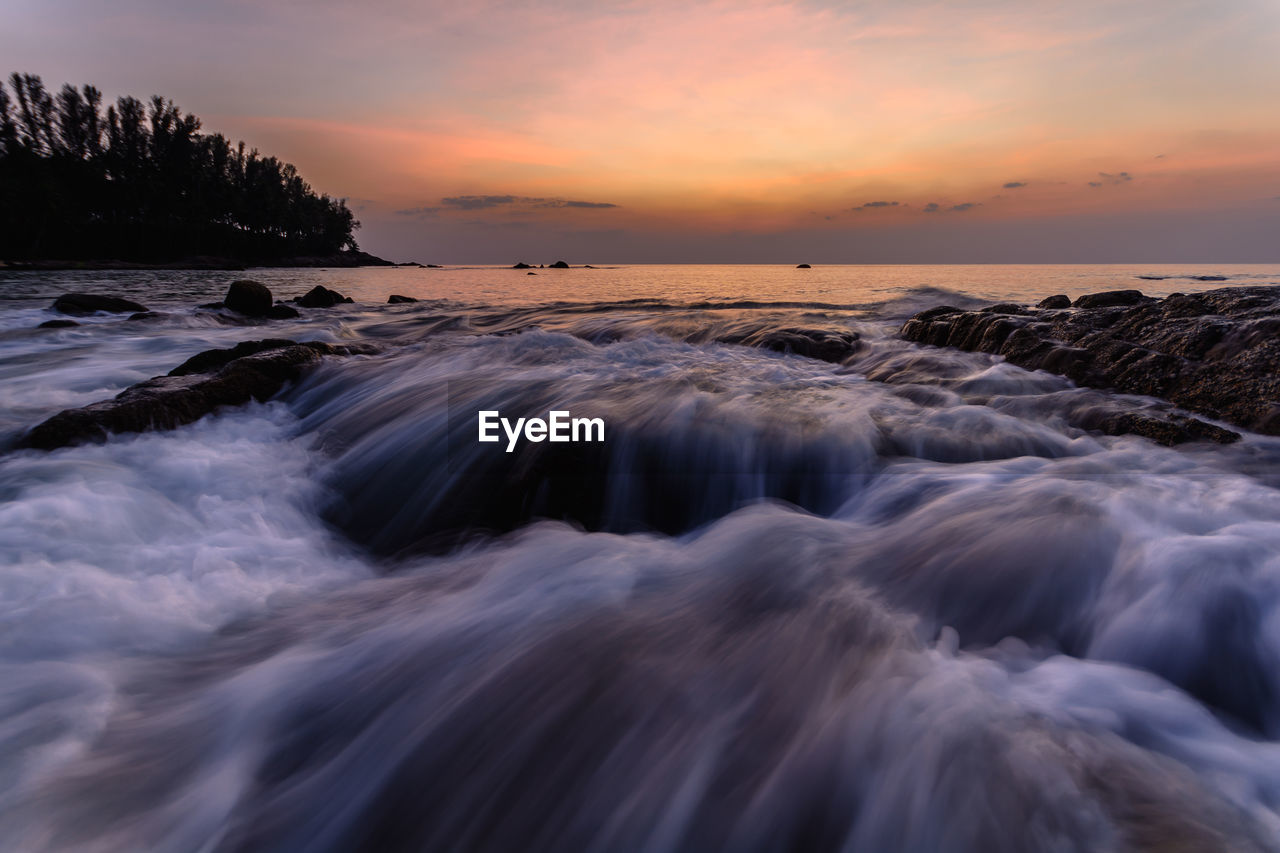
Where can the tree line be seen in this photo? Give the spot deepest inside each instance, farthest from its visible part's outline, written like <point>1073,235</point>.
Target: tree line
<point>139,181</point>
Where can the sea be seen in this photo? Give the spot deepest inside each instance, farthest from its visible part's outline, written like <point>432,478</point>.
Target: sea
<point>892,602</point>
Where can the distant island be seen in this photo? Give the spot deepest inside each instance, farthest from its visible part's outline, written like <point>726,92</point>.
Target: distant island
<point>138,184</point>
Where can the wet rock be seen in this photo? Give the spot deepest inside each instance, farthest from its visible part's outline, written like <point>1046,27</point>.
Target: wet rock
<point>282,312</point>
<point>531,273</point>
<point>522,266</point>
<point>1110,298</point>
<point>1215,353</point>
<point>803,267</point>
<point>833,345</point>
<point>559,265</point>
<point>1054,302</point>
<point>249,297</point>
<point>92,303</point>
<point>322,297</point>
<point>57,324</point>
<point>199,386</point>
<point>148,315</point>
<point>1004,308</point>
<point>397,299</point>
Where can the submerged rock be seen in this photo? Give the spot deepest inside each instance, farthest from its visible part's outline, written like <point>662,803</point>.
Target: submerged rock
<point>253,370</point>
<point>397,299</point>
<point>92,303</point>
<point>57,324</point>
<point>1215,353</point>
<point>322,297</point>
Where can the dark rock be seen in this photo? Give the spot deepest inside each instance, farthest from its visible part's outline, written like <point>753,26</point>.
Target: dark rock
<point>57,324</point>
<point>1110,298</point>
<point>433,266</point>
<point>1208,278</point>
<point>321,297</point>
<point>833,345</point>
<point>1215,353</point>
<point>213,359</point>
<point>91,303</point>
<point>587,267</point>
<point>189,393</point>
<point>148,315</point>
<point>559,265</point>
<point>249,297</point>
<point>1004,308</point>
<point>803,267</point>
<point>282,312</point>
<point>522,266</point>
<point>531,273</point>
<point>1153,277</point>
<point>212,305</point>
<point>1054,302</point>
<point>397,299</point>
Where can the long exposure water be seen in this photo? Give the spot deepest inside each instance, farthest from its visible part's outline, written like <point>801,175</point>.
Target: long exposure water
<point>898,603</point>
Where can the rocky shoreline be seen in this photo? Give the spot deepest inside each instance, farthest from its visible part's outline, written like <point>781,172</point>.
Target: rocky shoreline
<point>1215,353</point>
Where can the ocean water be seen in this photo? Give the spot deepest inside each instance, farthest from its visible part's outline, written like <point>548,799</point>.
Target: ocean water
<point>895,604</point>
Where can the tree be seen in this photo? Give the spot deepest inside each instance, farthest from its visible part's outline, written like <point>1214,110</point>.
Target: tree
<point>140,181</point>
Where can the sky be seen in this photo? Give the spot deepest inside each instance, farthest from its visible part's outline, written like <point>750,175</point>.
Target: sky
<point>974,131</point>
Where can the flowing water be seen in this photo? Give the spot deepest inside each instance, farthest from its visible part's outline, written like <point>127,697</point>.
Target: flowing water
<point>898,603</point>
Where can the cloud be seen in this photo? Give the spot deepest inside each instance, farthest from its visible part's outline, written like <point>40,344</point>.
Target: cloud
<point>968,205</point>
<point>477,202</point>
<point>931,207</point>
<point>1013,185</point>
<point>485,202</point>
<point>870,205</point>
<point>934,207</point>
<point>1111,178</point>
<point>418,212</point>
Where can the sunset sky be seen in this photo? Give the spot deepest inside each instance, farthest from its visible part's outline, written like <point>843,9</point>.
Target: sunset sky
<point>1004,130</point>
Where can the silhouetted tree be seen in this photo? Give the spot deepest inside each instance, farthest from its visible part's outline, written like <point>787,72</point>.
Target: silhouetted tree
<point>139,181</point>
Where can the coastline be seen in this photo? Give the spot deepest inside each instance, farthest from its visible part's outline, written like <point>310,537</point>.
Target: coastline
<point>205,262</point>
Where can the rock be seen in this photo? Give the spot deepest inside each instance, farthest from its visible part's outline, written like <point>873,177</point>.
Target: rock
<point>531,273</point>
<point>1110,298</point>
<point>559,265</point>
<point>213,359</point>
<point>803,267</point>
<point>433,266</point>
<point>1054,302</point>
<point>249,297</point>
<point>397,299</point>
<point>1208,278</point>
<point>322,297</point>
<point>194,389</point>
<point>147,315</point>
<point>1215,353</point>
<point>587,267</point>
<point>282,312</point>
<point>57,324</point>
<point>1004,308</point>
<point>91,303</point>
<point>522,266</point>
<point>832,345</point>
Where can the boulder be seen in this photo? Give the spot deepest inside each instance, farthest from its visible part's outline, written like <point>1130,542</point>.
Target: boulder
<point>253,370</point>
<point>248,297</point>
<point>57,324</point>
<point>522,266</point>
<point>1215,353</point>
<point>92,303</point>
<point>397,299</point>
<point>322,297</point>
<point>1110,299</point>
<point>1054,302</point>
<point>803,267</point>
<point>559,265</point>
